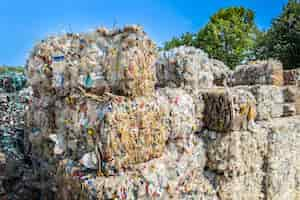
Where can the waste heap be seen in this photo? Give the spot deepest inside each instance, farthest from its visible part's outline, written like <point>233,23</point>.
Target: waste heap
<point>111,119</point>
<point>100,126</point>
<point>12,82</point>
<point>254,160</point>
<point>17,178</point>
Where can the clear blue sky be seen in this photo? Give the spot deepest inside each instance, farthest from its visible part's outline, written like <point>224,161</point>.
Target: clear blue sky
<point>24,22</point>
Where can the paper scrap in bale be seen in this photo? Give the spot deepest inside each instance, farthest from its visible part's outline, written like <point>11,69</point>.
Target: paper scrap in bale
<point>228,109</point>
<point>119,60</point>
<point>269,72</point>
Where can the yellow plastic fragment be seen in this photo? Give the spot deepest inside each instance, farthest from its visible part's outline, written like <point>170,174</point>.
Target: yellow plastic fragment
<point>251,114</point>
<point>91,131</point>
<point>67,121</point>
<point>70,100</point>
<point>244,109</point>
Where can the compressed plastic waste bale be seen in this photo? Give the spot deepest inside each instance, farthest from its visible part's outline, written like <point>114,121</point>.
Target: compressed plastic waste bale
<point>237,152</point>
<point>221,72</point>
<point>181,121</point>
<point>132,132</point>
<point>176,174</point>
<point>40,121</point>
<point>246,186</point>
<point>273,101</point>
<point>188,68</point>
<point>292,96</point>
<point>228,109</point>
<point>237,158</point>
<point>122,131</point>
<point>282,160</point>
<point>291,77</point>
<point>117,60</point>
<point>269,72</point>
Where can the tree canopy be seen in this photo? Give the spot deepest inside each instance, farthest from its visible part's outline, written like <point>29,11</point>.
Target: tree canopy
<point>232,37</point>
<point>229,36</point>
<point>282,40</point>
<point>187,39</point>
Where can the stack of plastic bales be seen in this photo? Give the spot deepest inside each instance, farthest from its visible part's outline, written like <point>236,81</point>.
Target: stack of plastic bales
<point>273,101</point>
<point>72,77</point>
<point>276,95</point>
<point>103,131</point>
<point>244,160</point>
<point>95,118</point>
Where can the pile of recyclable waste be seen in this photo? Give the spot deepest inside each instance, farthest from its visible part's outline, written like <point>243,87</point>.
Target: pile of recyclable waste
<point>17,179</point>
<point>109,117</point>
<point>11,81</point>
<point>105,132</point>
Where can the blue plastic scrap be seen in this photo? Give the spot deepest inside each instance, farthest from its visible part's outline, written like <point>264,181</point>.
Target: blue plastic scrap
<point>58,58</point>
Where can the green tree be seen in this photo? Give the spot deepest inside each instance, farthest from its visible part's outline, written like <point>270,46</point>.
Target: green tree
<point>187,39</point>
<point>282,40</point>
<point>229,36</point>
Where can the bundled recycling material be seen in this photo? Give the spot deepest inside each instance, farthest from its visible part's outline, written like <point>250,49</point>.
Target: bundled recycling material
<point>189,68</point>
<point>292,97</point>
<point>268,72</point>
<point>221,72</point>
<point>117,60</point>
<point>181,113</point>
<point>237,159</point>
<point>117,133</point>
<point>282,161</point>
<point>12,82</point>
<point>102,127</point>
<point>17,178</point>
<point>291,77</point>
<point>132,132</point>
<point>274,101</point>
<point>175,175</point>
<point>228,109</point>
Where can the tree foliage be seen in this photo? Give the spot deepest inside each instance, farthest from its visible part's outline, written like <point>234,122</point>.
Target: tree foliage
<point>229,36</point>
<point>5,69</point>
<point>187,39</point>
<point>282,40</point>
